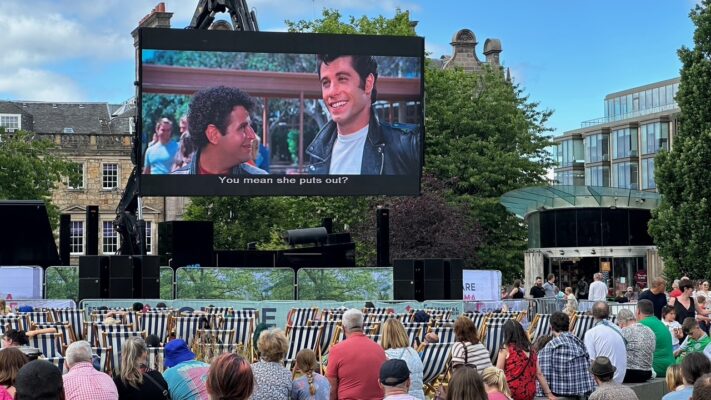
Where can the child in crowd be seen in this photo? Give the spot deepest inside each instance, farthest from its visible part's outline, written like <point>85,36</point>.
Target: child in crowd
<point>669,319</point>
<point>311,385</point>
<point>674,379</point>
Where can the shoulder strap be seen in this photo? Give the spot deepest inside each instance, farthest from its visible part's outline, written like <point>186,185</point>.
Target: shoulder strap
<point>166,394</point>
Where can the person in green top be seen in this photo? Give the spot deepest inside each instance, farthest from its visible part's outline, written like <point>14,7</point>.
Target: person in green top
<point>696,340</point>
<point>663,353</point>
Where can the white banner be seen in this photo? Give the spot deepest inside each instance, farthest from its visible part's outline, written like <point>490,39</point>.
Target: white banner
<point>481,285</point>
<point>21,282</point>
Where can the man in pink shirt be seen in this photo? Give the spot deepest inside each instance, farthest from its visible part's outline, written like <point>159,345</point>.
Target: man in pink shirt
<point>354,364</point>
<point>83,382</point>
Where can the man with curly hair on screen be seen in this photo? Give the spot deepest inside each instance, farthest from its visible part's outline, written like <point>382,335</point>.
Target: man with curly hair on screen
<point>220,126</point>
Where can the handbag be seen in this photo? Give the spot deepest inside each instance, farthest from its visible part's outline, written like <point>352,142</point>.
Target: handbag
<point>166,394</point>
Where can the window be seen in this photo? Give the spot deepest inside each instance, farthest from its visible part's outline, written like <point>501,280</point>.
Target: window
<point>648,174</point>
<point>76,181</point>
<point>76,237</point>
<point>624,143</point>
<point>624,175</point>
<point>149,237</point>
<point>109,238</point>
<point>10,122</point>
<point>597,176</point>
<point>570,178</point>
<point>597,148</point>
<point>109,179</point>
<point>655,137</point>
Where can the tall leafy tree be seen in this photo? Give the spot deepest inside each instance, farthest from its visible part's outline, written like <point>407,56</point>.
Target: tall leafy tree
<point>681,226</point>
<point>30,167</point>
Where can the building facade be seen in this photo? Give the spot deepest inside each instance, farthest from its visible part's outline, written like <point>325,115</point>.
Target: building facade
<point>618,150</point>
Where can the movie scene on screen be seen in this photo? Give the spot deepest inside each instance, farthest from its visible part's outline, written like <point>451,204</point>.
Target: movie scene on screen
<point>266,113</point>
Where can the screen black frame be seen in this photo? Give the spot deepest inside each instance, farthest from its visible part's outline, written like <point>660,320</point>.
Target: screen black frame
<point>281,185</point>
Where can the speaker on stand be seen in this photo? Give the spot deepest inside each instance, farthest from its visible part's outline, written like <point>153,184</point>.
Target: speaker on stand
<point>382,239</point>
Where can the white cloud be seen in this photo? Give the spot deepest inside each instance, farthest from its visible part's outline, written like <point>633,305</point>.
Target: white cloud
<point>437,49</point>
<point>39,85</point>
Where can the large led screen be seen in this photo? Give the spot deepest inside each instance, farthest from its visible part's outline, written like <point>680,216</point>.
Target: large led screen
<point>265,113</point>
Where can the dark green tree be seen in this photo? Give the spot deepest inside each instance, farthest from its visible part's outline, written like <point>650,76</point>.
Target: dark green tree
<point>681,226</point>
<point>30,168</point>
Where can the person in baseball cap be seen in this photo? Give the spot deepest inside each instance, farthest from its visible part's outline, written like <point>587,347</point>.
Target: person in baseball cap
<point>395,380</point>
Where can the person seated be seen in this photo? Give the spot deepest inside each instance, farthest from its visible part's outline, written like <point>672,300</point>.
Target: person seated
<point>620,297</point>
<point>696,340</point>
<point>702,388</point>
<point>694,366</point>
<point>20,340</point>
<point>673,378</point>
<point>41,380</point>
<point>669,320</point>
<point>607,389</point>
<point>230,377</point>
<point>640,347</point>
<point>468,350</point>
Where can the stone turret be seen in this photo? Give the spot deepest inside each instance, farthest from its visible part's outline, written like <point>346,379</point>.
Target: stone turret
<point>464,52</point>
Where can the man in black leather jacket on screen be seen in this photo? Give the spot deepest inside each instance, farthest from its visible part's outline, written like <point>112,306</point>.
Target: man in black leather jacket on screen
<point>355,142</point>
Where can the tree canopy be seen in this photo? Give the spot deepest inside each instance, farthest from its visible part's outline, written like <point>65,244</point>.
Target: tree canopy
<point>681,226</point>
<point>30,168</point>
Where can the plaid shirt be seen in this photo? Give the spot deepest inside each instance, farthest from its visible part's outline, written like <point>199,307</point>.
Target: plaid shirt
<point>565,362</point>
<point>83,382</point>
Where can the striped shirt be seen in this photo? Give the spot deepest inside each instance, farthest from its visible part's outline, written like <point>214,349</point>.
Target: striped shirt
<point>475,354</point>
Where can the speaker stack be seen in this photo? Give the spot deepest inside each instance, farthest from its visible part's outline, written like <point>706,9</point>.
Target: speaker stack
<point>92,230</point>
<point>428,279</point>
<point>382,239</point>
<point>119,277</point>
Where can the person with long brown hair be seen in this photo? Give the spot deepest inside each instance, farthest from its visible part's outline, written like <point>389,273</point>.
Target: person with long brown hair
<point>11,360</point>
<point>468,350</point>
<point>312,385</point>
<point>466,384</point>
<point>136,381</point>
<point>230,378</point>
<point>520,363</point>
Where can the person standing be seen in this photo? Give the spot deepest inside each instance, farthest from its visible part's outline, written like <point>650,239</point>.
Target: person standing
<point>583,288</point>
<point>656,295</point>
<point>537,290</point>
<point>598,289</point>
<point>159,157</point>
<point>550,287</point>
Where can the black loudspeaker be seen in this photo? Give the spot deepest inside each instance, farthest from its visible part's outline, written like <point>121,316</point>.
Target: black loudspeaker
<point>119,277</point>
<point>382,239</point>
<point>427,279</point>
<point>182,243</point>
<point>92,231</point>
<point>65,221</point>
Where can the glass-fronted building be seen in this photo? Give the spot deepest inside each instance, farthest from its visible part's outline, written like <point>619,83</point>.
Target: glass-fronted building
<point>618,149</point>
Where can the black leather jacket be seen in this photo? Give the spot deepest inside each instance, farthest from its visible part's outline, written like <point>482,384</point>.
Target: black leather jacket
<point>389,149</point>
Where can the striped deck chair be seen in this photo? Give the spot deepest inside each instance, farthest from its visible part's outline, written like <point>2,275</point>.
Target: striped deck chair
<point>581,324</point>
<point>327,333</point>
<point>376,318</point>
<point>10,322</point>
<point>300,316</point>
<point>540,326</point>
<point>376,310</point>
<point>99,329</point>
<point>302,337</point>
<point>445,333</point>
<point>243,327</point>
<point>435,357</point>
<point>131,318</point>
<point>339,335</point>
<point>247,313</point>
<point>186,327</point>
<point>208,351</point>
<point>414,332</point>
<point>72,315</point>
<point>104,354</point>
<point>115,341</point>
<point>155,358</point>
<point>477,318</point>
<point>493,336</point>
<point>34,317</point>
<point>226,336</point>
<point>209,321</point>
<point>65,328</point>
<point>375,337</point>
<point>155,324</point>
<point>371,327</point>
<point>517,315</point>
<point>224,311</point>
<point>405,317</point>
<point>439,313</point>
<point>57,361</point>
<point>50,344</point>
<point>332,314</point>
<point>493,319</point>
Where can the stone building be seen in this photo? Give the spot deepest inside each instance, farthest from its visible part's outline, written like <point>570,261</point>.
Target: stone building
<point>464,52</point>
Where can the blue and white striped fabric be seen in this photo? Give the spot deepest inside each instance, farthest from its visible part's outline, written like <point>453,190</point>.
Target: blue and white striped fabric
<point>540,326</point>
<point>300,316</point>
<point>302,337</point>
<point>444,333</point>
<point>186,327</point>
<point>327,333</point>
<point>72,315</point>
<point>57,361</point>
<point>34,317</point>
<point>10,322</point>
<point>104,354</point>
<point>243,327</point>
<point>493,336</point>
<point>65,328</point>
<point>155,358</point>
<point>582,324</point>
<point>155,324</point>
<point>50,344</point>
<point>434,358</point>
<point>115,340</point>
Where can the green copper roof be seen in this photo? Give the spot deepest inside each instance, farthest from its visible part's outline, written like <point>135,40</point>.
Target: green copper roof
<point>538,198</point>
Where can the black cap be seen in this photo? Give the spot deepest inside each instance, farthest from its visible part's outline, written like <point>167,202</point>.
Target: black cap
<point>394,372</point>
<point>39,380</point>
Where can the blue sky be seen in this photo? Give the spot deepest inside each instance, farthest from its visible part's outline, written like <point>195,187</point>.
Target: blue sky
<point>566,54</point>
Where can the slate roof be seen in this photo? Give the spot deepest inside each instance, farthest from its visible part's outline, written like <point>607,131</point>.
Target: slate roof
<point>54,117</point>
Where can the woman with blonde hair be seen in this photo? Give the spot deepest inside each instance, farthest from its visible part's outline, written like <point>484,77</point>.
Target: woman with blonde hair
<point>229,378</point>
<point>495,384</point>
<point>396,344</point>
<point>312,385</point>
<point>466,384</point>
<point>674,379</point>
<point>272,380</point>
<point>136,381</point>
